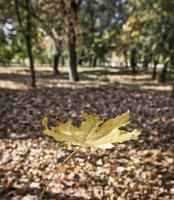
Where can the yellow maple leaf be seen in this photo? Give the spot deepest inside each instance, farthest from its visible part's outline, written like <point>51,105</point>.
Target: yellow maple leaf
<point>93,131</point>
<point>45,122</point>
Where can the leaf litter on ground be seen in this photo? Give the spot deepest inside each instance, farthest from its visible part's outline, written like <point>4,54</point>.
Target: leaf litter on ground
<point>136,170</point>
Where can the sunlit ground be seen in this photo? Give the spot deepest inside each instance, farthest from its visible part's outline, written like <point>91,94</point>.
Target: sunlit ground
<point>19,78</point>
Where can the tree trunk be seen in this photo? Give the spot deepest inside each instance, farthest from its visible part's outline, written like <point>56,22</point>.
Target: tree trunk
<point>29,44</point>
<point>163,74</point>
<point>80,61</point>
<point>27,31</point>
<point>31,60</point>
<point>62,61</point>
<point>133,61</point>
<point>126,59</point>
<point>146,61</point>
<point>94,61</point>
<point>57,54</point>
<point>73,75</point>
<point>145,65</point>
<point>56,59</point>
<point>154,70</point>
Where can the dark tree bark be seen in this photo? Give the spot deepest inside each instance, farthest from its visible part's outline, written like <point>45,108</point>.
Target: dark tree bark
<point>57,55</point>
<point>154,69</point>
<point>29,43</point>
<point>133,61</point>
<point>126,59</point>
<point>56,59</point>
<point>146,61</point>
<point>94,61</point>
<point>80,61</point>
<point>162,78</point>
<point>73,74</point>
<point>26,30</point>
<point>70,12</point>
<point>31,60</point>
<point>146,64</point>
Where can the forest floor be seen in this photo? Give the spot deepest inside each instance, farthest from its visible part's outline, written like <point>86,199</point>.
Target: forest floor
<point>136,170</point>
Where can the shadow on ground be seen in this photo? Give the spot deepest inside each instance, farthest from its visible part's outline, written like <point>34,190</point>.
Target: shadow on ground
<point>23,110</point>
<point>33,193</point>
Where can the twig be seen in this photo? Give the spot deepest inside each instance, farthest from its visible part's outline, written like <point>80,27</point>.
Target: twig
<point>57,171</point>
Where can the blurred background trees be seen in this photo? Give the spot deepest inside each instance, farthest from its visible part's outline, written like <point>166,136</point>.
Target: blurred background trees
<point>137,34</point>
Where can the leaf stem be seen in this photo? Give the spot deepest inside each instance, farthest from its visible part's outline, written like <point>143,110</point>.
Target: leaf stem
<point>57,171</point>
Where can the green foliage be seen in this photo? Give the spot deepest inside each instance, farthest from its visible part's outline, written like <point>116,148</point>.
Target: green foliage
<point>6,52</point>
<point>101,27</point>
